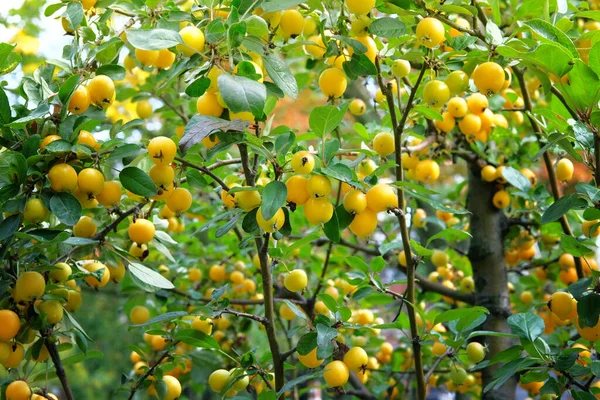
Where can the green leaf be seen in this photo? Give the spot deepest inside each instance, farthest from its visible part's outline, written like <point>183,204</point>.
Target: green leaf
<point>507,371</point>
<point>578,288</point>
<point>4,107</point>
<point>215,30</point>
<point>9,226</point>
<point>280,74</point>
<point>149,277</point>
<point>565,360</point>
<point>298,244</point>
<point>197,339</point>
<point>198,87</point>
<point>74,14</point>
<point>428,112</point>
<point>163,317</point>
<point>222,230</point>
<point>588,309</point>
<point>547,56</point>
<point>325,334</point>
<point>67,88</point>
<point>378,264</point>
<point>52,8</point>
<point>324,119</point>
<point>594,58</point>
<point>128,150</point>
<point>137,182</point>
<point>450,235</point>
<point>387,27</point>
<point>278,5</point>
<point>243,94</point>
<point>516,178</point>
<point>359,65</point>
<point>332,228</point>
<point>153,39</point>
<point>559,208</point>
<point>114,71</point>
<point>338,171</point>
<point>66,207</point>
<point>572,246</point>
<point>582,88</point>
<point>273,198</point>
<point>549,33</point>
<point>456,314</point>
<point>195,178</point>
<point>358,263</point>
<point>307,343</point>
<point>289,385</point>
<point>201,126</point>
<point>528,325</point>
<point>13,167</point>
<point>40,112</point>
<point>434,203</point>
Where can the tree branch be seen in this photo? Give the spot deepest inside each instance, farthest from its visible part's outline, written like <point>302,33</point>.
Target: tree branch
<point>204,170</point>
<point>60,371</point>
<point>437,362</point>
<point>150,371</point>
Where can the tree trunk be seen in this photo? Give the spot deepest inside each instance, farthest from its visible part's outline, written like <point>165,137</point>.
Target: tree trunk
<point>486,254</point>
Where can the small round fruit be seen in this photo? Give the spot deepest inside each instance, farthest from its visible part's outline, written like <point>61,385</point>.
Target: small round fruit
<point>272,225</point>
<point>488,173</point>
<point>173,387</point>
<point>332,82</point>
<point>248,199</point>
<point>400,68</point>
<point>141,231</point>
<point>458,375</point>
<point>355,201</point>
<point>162,175</point>
<point>418,218</point>
<point>217,273</point>
<point>218,380</point>
<point>35,211</point>
<point>587,226</point>
<point>384,143</point>
<point>457,82</point>
<point>319,186</point>
<point>143,109</point>
<point>296,280</point>
<point>110,195</point>
<point>310,360</point>
<point>18,390</point>
<point>477,103</point>
<point>85,227</point>
<point>53,310</point>
<point>366,167</point>
<point>430,32</point>
<point>208,104</point>
<point>439,258</point>
<point>356,359</point>
<point>336,374</point>
<point>475,352</point>
<point>202,325</point>
<point>180,200</point>
<point>360,7</point>
<point>297,190</point>
<point>457,107</point>
<point>318,210</point>
<point>292,23</point>
<point>102,91</point>
<point>29,286</point>
<point>488,78</point>
<point>146,57</point>
<point>470,124</point>
<point>357,107</point>
<point>427,171</point>
<point>162,150</point>
<point>303,162</point>
<point>60,274</point>
<point>436,93</point>
<point>63,178</point>
<point>117,272</point>
<point>80,100</point>
<point>447,123</point>
<point>90,181</point>
<point>561,304</point>
<point>139,315</point>
<point>439,348</point>
<point>501,199</point>
<point>193,39</point>
<point>564,170</point>
<point>10,324</point>
<point>364,223</point>
<point>93,267</point>
<point>381,197</point>
<point>165,59</point>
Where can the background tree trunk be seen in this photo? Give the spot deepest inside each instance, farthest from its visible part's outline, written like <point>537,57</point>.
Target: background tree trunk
<point>486,254</point>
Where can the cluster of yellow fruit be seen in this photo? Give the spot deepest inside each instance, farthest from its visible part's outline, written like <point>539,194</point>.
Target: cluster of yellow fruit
<point>458,379</point>
<point>445,273</point>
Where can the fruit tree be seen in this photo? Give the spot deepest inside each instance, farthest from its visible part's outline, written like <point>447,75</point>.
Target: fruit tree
<point>344,198</point>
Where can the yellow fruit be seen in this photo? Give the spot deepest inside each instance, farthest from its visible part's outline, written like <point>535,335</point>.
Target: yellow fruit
<point>180,200</point>
<point>292,23</point>
<point>247,200</point>
<point>366,167</point>
<point>336,374</point>
<point>436,93</point>
<point>332,82</point>
<point>286,312</point>
<point>488,173</point>
<point>418,218</point>
<point>400,68</point>
<point>80,100</point>
<point>207,104</point>
<point>477,103</point>
<point>564,170</point>
<point>62,177</point>
<point>165,59</point>
<point>360,7</point>
<point>470,124</point>
<point>303,162</point>
<point>457,107</point>
<point>53,311</point>
<point>117,272</point>
<point>143,109</point>
<point>439,258</point>
<point>139,315</point>
<point>384,143</point>
<point>526,297</point>
<point>218,380</point>
<point>356,359</point>
<point>85,228</point>
<point>296,280</point>
<point>501,199</point>
<point>102,91</point>
<point>447,124</point>
<point>561,304</point>
<point>35,211</point>
<point>10,324</point>
<point>193,39</point>
<point>364,223</point>
<point>357,107</point>
<point>317,49</point>
<point>587,226</point>
<point>488,78</point>
<point>93,267</point>
<point>591,333</point>
<point>318,210</point>
<point>110,195</point>
<point>47,140</point>
<point>18,390</point>
<point>439,348</point>
<point>90,181</point>
<point>162,175</point>
<point>162,150</point>
<point>427,171</point>
<point>217,273</point>
<point>297,190</point>
<point>457,82</point>
<point>141,231</point>
<point>381,197</point>
<point>430,32</point>
<point>29,286</point>
<point>173,387</point>
<point>355,201</point>
<point>319,186</point>
<point>310,360</point>
<point>202,325</point>
<point>475,352</point>
<point>146,57</point>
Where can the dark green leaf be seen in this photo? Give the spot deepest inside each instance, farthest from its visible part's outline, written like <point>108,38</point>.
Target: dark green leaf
<point>588,309</point>
<point>559,208</point>
<point>281,75</point>
<point>114,71</point>
<point>359,65</point>
<point>163,317</point>
<point>198,87</point>
<point>243,94</point>
<point>137,182</point>
<point>324,119</point>
<point>526,325</point>
<point>197,339</point>
<point>9,226</point>
<point>325,334</point>
<point>332,228</point>
<point>549,33</point>
<point>153,39</point>
<point>66,207</point>
<point>307,343</point>
<point>67,88</point>
<point>201,126</point>
<point>273,198</point>
<point>74,14</point>
<point>149,276</point>
<point>387,27</point>
<point>578,288</point>
<point>516,178</point>
<point>572,246</point>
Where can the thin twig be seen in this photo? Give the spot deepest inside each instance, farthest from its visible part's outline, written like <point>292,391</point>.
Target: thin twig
<point>60,371</point>
<point>150,370</point>
<point>204,170</point>
<point>437,362</point>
